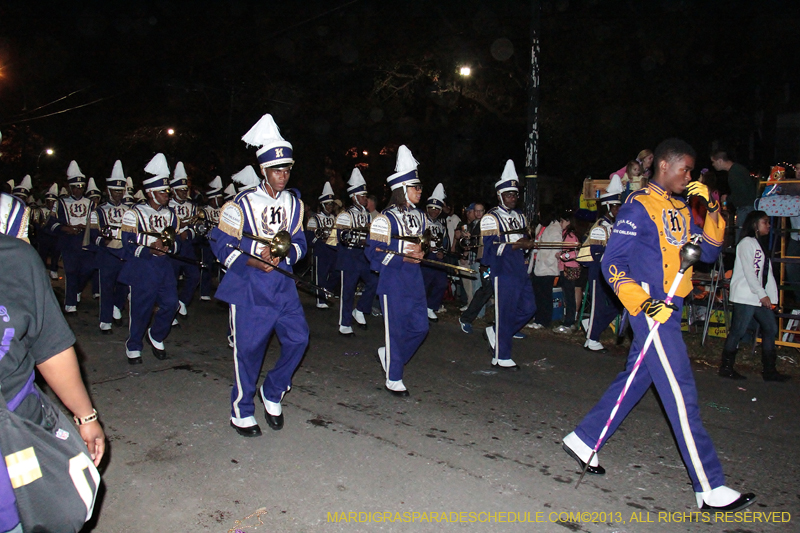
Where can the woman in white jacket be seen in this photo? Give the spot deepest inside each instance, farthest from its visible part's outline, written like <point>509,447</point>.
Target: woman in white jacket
<point>753,293</point>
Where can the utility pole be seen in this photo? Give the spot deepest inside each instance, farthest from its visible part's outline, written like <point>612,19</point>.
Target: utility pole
<point>532,141</point>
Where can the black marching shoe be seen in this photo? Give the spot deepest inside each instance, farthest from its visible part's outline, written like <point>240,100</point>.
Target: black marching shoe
<point>106,332</point>
<point>158,347</point>
<point>745,500</point>
<point>250,431</point>
<point>116,321</point>
<point>595,470</point>
<point>275,422</point>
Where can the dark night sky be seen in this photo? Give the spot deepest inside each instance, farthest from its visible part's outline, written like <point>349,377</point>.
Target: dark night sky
<point>616,76</point>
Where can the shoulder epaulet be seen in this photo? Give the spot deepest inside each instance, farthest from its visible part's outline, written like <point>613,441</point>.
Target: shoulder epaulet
<point>637,194</point>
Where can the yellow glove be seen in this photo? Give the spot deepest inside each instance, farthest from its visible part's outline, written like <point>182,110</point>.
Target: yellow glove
<point>700,190</point>
<point>658,310</point>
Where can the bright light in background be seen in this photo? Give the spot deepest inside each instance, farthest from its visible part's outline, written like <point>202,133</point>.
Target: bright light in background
<point>170,132</point>
<point>49,151</point>
<point>465,71</point>
<point>365,152</point>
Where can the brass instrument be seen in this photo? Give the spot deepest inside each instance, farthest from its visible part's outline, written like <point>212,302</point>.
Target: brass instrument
<point>527,231</point>
<point>199,223</point>
<point>430,261</point>
<point>300,281</point>
<point>168,237</point>
<point>354,237</point>
<point>428,241</point>
<point>279,245</point>
<point>322,233</point>
<point>467,241</point>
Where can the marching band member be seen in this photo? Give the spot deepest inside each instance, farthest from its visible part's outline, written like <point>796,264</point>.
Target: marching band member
<point>127,199</point>
<point>605,304</point>
<point>106,222</point>
<point>400,285</point>
<point>23,189</point>
<point>71,219</point>
<point>435,278</point>
<point>184,210</point>
<point>47,241</point>
<point>230,191</point>
<point>261,300</point>
<point>321,233</point>
<point>504,256</point>
<point>651,228</point>
<point>93,194</point>
<point>214,198</point>
<point>14,217</point>
<point>351,259</point>
<point>147,269</point>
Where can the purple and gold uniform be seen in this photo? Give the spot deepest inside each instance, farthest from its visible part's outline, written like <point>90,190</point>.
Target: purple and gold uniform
<point>351,259</point>
<point>214,195</point>
<point>260,302</point>
<point>78,262</point>
<point>184,210</point>
<point>435,278</point>
<point>107,220</point>
<point>641,261</point>
<point>14,217</point>
<point>150,276</point>
<point>400,286</point>
<point>514,302</point>
<point>323,247</point>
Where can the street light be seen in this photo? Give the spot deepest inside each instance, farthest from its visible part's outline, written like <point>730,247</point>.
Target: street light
<point>48,151</point>
<point>170,132</point>
<point>465,71</point>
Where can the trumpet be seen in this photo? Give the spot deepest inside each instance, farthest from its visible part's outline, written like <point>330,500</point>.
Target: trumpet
<point>354,237</point>
<point>279,245</point>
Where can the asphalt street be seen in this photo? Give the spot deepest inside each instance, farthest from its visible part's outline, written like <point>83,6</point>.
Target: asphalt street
<point>472,448</point>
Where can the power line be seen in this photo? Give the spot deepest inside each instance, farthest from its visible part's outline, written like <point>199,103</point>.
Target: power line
<point>62,111</point>
<point>51,103</point>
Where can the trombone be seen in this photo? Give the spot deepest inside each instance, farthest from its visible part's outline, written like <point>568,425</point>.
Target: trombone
<point>279,245</point>
<point>168,239</point>
<point>430,261</point>
<point>300,281</point>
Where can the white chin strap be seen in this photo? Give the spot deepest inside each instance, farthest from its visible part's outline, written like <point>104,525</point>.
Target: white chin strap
<point>405,193</point>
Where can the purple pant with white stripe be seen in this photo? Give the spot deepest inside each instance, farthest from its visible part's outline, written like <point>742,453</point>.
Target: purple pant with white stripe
<point>252,327</point>
<point>514,305</point>
<point>666,365</point>
<point>405,321</point>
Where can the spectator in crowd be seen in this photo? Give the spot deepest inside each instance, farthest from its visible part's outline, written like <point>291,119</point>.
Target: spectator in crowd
<point>744,189</point>
<point>545,267</point>
<point>753,294</point>
<point>569,273</point>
